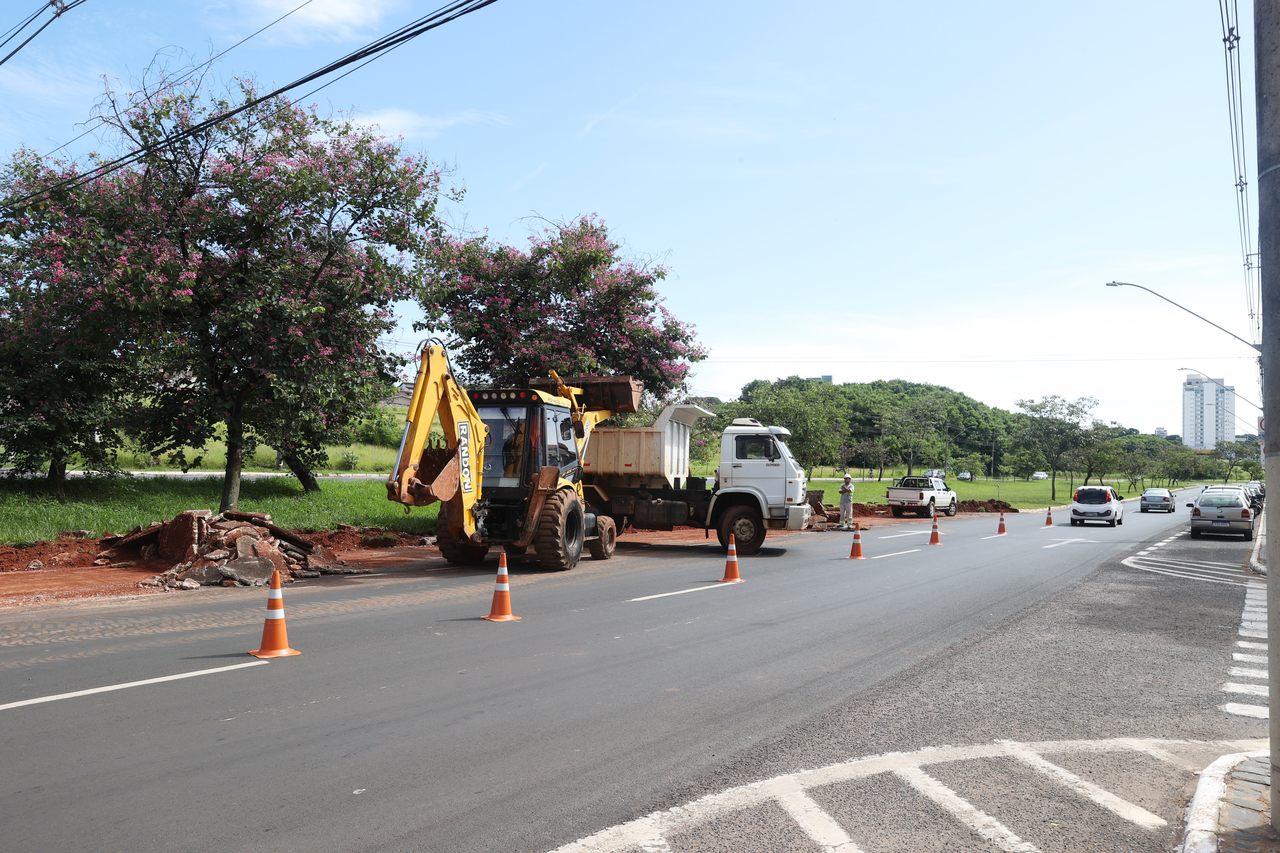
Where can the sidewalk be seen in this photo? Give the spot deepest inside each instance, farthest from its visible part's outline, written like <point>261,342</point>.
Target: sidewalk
<point>1231,810</point>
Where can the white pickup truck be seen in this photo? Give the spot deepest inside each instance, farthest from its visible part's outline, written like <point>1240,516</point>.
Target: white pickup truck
<point>924,496</point>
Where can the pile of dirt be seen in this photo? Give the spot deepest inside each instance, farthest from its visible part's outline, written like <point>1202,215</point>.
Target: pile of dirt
<point>985,506</point>
<point>231,549</point>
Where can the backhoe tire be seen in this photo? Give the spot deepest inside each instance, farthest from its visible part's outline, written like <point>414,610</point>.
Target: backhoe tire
<point>747,527</point>
<point>458,552</point>
<point>560,535</point>
<point>602,546</point>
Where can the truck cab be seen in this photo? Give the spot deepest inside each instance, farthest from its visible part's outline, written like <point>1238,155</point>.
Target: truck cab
<point>757,477</point>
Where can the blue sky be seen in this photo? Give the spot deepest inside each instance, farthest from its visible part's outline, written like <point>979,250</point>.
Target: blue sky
<point>869,190</point>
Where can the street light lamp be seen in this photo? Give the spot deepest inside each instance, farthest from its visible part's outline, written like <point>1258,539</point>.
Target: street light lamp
<point>1220,385</point>
<point>1257,347</point>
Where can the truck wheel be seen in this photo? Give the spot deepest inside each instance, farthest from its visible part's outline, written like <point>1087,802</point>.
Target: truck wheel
<point>952,509</point>
<point>602,546</point>
<point>458,552</point>
<point>747,527</point>
<point>897,511</point>
<point>930,511</point>
<point>560,532</point>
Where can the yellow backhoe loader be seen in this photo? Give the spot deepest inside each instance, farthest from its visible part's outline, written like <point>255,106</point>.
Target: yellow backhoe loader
<point>506,464</point>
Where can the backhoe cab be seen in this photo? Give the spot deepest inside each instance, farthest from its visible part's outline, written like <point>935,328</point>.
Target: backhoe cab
<point>506,463</point>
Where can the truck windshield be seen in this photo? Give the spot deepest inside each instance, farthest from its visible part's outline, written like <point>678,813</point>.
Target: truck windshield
<point>507,446</point>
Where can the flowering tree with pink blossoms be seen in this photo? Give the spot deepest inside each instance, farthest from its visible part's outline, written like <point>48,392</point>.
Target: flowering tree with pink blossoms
<point>570,303</point>
<point>66,354</point>
<point>254,262</point>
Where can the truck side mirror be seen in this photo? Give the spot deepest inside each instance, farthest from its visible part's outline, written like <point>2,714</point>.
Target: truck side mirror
<point>579,429</point>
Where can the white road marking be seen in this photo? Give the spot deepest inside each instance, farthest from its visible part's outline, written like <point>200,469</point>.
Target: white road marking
<point>995,536</point>
<point>965,812</point>
<point>1058,543</point>
<point>1256,635</point>
<point>1258,712</point>
<point>683,591</point>
<point>1242,672</point>
<point>112,687</point>
<point>649,832</point>
<point>1243,658</point>
<point>911,533</point>
<point>1104,798</point>
<point>895,554</point>
<point>1245,644</point>
<point>1246,689</point>
<point>810,817</point>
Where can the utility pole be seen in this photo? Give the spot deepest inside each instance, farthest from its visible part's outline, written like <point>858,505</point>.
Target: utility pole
<point>1266,62</point>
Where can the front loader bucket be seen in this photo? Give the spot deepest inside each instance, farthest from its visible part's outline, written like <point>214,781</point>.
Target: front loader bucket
<point>437,476</point>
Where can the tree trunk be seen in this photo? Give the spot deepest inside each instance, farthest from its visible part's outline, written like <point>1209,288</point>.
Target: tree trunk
<point>56,478</point>
<point>235,461</point>
<point>301,471</point>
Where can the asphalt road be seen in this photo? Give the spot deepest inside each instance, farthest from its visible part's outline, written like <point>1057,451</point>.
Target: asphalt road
<point>409,724</point>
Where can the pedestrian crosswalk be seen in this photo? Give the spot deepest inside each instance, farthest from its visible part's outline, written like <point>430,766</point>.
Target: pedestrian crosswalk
<point>1153,559</point>
<point>1248,688</point>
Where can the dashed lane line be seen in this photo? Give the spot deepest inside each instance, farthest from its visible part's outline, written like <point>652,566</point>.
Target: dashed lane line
<point>112,687</point>
<point>894,554</point>
<point>652,831</point>
<point>683,591</point>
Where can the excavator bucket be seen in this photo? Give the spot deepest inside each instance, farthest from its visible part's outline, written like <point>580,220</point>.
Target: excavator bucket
<point>437,476</point>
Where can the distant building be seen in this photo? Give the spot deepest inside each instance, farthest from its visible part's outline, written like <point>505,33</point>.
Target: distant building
<point>1161,432</point>
<point>1208,412</point>
<point>826,379</point>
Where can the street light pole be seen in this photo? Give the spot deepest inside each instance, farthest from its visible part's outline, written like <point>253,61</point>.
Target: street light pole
<point>1253,346</point>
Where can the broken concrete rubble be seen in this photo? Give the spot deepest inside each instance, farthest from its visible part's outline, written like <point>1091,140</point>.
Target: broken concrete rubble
<point>231,549</point>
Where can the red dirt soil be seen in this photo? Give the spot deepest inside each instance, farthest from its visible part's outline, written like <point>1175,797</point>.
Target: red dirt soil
<point>69,572</point>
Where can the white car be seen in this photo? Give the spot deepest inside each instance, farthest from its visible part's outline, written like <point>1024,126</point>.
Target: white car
<point>1097,503</point>
<point>1040,475</point>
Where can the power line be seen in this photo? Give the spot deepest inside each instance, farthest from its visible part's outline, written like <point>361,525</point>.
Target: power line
<point>13,31</point>
<point>59,8</point>
<point>368,53</point>
<point>1229,17</point>
<point>192,71</point>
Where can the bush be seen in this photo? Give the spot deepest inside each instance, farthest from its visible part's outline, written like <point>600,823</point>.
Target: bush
<point>382,428</point>
<point>348,461</point>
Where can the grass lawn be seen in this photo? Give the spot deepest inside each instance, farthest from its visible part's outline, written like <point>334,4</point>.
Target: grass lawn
<point>361,458</point>
<point>28,513</point>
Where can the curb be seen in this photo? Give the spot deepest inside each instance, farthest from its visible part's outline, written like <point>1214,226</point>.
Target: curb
<point>1201,834</point>
<point>1259,541</point>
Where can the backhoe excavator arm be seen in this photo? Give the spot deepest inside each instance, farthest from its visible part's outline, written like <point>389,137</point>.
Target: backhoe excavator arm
<point>424,474</point>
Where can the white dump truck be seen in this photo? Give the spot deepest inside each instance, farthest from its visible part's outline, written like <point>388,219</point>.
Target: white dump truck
<point>640,478</point>
<point>924,496</point>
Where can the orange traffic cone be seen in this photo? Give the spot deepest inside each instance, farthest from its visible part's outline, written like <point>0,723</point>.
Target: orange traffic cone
<point>855,553</point>
<point>731,564</point>
<point>275,638</point>
<point>1048,517</point>
<point>934,538</point>
<point>1000,531</point>
<point>500,610</point>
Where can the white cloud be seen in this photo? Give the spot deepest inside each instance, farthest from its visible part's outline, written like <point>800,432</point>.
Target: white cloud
<point>321,20</point>
<point>413,125</point>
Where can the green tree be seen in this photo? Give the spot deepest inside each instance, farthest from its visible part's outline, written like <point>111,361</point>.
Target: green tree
<point>1055,428</point>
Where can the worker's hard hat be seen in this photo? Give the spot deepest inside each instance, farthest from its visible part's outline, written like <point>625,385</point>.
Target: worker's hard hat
<point>848,476</point>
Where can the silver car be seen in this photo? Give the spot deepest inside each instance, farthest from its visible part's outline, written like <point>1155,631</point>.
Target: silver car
<point>1157,499</point>
<point>1222,511</point>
